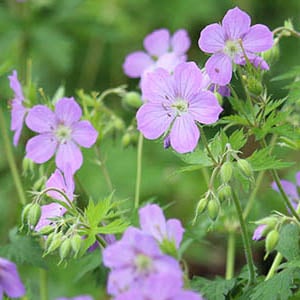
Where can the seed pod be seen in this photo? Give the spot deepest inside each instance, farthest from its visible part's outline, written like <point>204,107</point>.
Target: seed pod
<point>245,167</point>
<point>226,172</point>
<point>213,209</point>
<point>76,242</point>
<point>65,249</point>
<point>133,99</point>
<point>224,192</point>
<point>271,240</point>
<point>34,214</point>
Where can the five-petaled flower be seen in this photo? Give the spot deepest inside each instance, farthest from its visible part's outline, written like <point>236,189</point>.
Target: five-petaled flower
<point>174,103</point>
<point>231,41</point>
<point>10,282</point>
<point>162,51</point>
<point>60,132</point>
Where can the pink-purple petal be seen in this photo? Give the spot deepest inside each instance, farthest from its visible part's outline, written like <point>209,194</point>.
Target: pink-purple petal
<point>84,134</point>
<point>187,295</point>
<point>219,68</point>
<point>188,80</point>
<point>205,108</point>
<point>136,63</point>
<point>67,111</point>
<point>169,61</point>
<point>41,148</point>
<point>258,39</point>
<point>119,280</point>
<point>41,119</point>
<point>184,134</point>
<point>68,156</point>
<point>180,42</point>
<point>15,85</point>
<point>236,23</point>
<point>18,112</point>
<point>289,188</point>
<point>157,42</point>
<point>212,38</point>
<point>298,178</point>
<point>153,120</point>
<point>175,231</point>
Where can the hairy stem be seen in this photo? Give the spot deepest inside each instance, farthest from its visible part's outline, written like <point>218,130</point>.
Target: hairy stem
<point>104,170</point>
<point>10,159</point>
<point>43,285</point>
<point>275,264</point>
<point>204,140</point>
<point>230,255</point>
<point>138,171</point>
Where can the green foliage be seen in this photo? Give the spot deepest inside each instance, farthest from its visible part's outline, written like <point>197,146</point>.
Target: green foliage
<point>216,289</point>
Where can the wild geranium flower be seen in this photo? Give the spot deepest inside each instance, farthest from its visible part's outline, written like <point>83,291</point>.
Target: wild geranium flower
<point>230,41</point>
<point>18,111</point>
<point>160,287</point>
<point>82,297</point>
<point>162,51</point>
<point>258,232</point>
<point>133,258</point>
<point>10,282</point>
<point>174,104</point>
<point>60,181</point>
<point>207,83</point>
<point>153,221</point>
<point>61,133</point>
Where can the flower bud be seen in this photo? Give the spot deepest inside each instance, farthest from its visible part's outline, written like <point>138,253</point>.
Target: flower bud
<point>27,166</point>
<point>56,241</point>
<point>254,86</point>
<point>272,55</point>
<point>213,209</point>
<point>65,249</point>
<point>76,242</point>
<point>245,167</point>
<point>133,99</point>
<point>201,206</point>
<point>34,214</point>
<point>226,172</point>
<point>39,183</point>
<point>126,139</point>
<point>271,240</point>
<point>224,192</point>
<point>118,123</point>
<point>46,230</point>
<point>25,211</point>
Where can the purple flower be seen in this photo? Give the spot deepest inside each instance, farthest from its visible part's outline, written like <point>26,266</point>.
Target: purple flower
<point>174,104</point>
<point>162,51</point>
<point>133,258</point>
<point>82,297</point>
<point>290,189</point>
<point>60,132</point>
<point>10,282</point>
<point>18,111</point>
<point>153,222</point>
<point>160,287</point>
<point>258,232</point>
<point>224,42</point>
<point>63,182</point>
<point>207,83</point>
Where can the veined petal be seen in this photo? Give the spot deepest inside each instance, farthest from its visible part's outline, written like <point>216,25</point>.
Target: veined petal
<point>68,156</point>
<point>41,148</point>
<point>219,68</point>
<point>289,188</point>
<point>188,80</point>
<point>259,38</point>
<point>180,41</point>
<point>204,107</point>
<point>15,85</point>
<point>17,119</point>
<point>169,61</point>
<point>136,63</point>
<point>152,221</point>
<point>236,23</point>
<point>212,38</point>
<point>158,86</point>
<point>175,231</point>
<point>68,111</point>
<point>153,120</point>
<point>157,42</point>
<point>84,134</point>
<point>41,119</point>
<point>119,280</point>
<point>184,134</point>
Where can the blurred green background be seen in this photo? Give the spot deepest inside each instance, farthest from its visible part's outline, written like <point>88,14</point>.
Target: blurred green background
<point>81,44</point>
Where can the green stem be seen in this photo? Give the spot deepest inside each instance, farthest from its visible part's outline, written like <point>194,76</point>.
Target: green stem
<point>246,240</point>
<point>230,255</point>
<point>275,264</point>
<point>10,158</point>
<point>43,285</point>
<point>138,171</point>
<point>204,140</point>
<point>104,170</point>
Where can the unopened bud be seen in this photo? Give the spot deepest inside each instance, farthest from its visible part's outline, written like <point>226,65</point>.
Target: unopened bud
<point>254,86</point>
<point>57,239</point>
<point>126,139</point>
<point>224,192</point>
<point>133,99</point>
<point>201,206</point>
<point>226,172</point>
<point>34,214</point>
<point>27,166</point>
<point>65,249</point>
<point>271,240</point>
<point>213,209</point>
<point>272,55</point>
<point>118,123</point>
<point>46,230</point>
<point>245,167</point>
<point>39,183</point>
<point>25,211</point>
<point>76,242</point>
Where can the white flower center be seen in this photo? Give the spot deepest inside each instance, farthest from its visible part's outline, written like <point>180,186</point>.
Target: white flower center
<point>63,133</point>
<point>143,263</point>
<point>232,48</point>
<point>181,106</point>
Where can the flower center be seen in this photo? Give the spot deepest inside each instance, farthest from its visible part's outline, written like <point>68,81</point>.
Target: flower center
<point>143,263</point>
<point>63,133</point>
<point>181,106</point>
<point>232,48</point>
